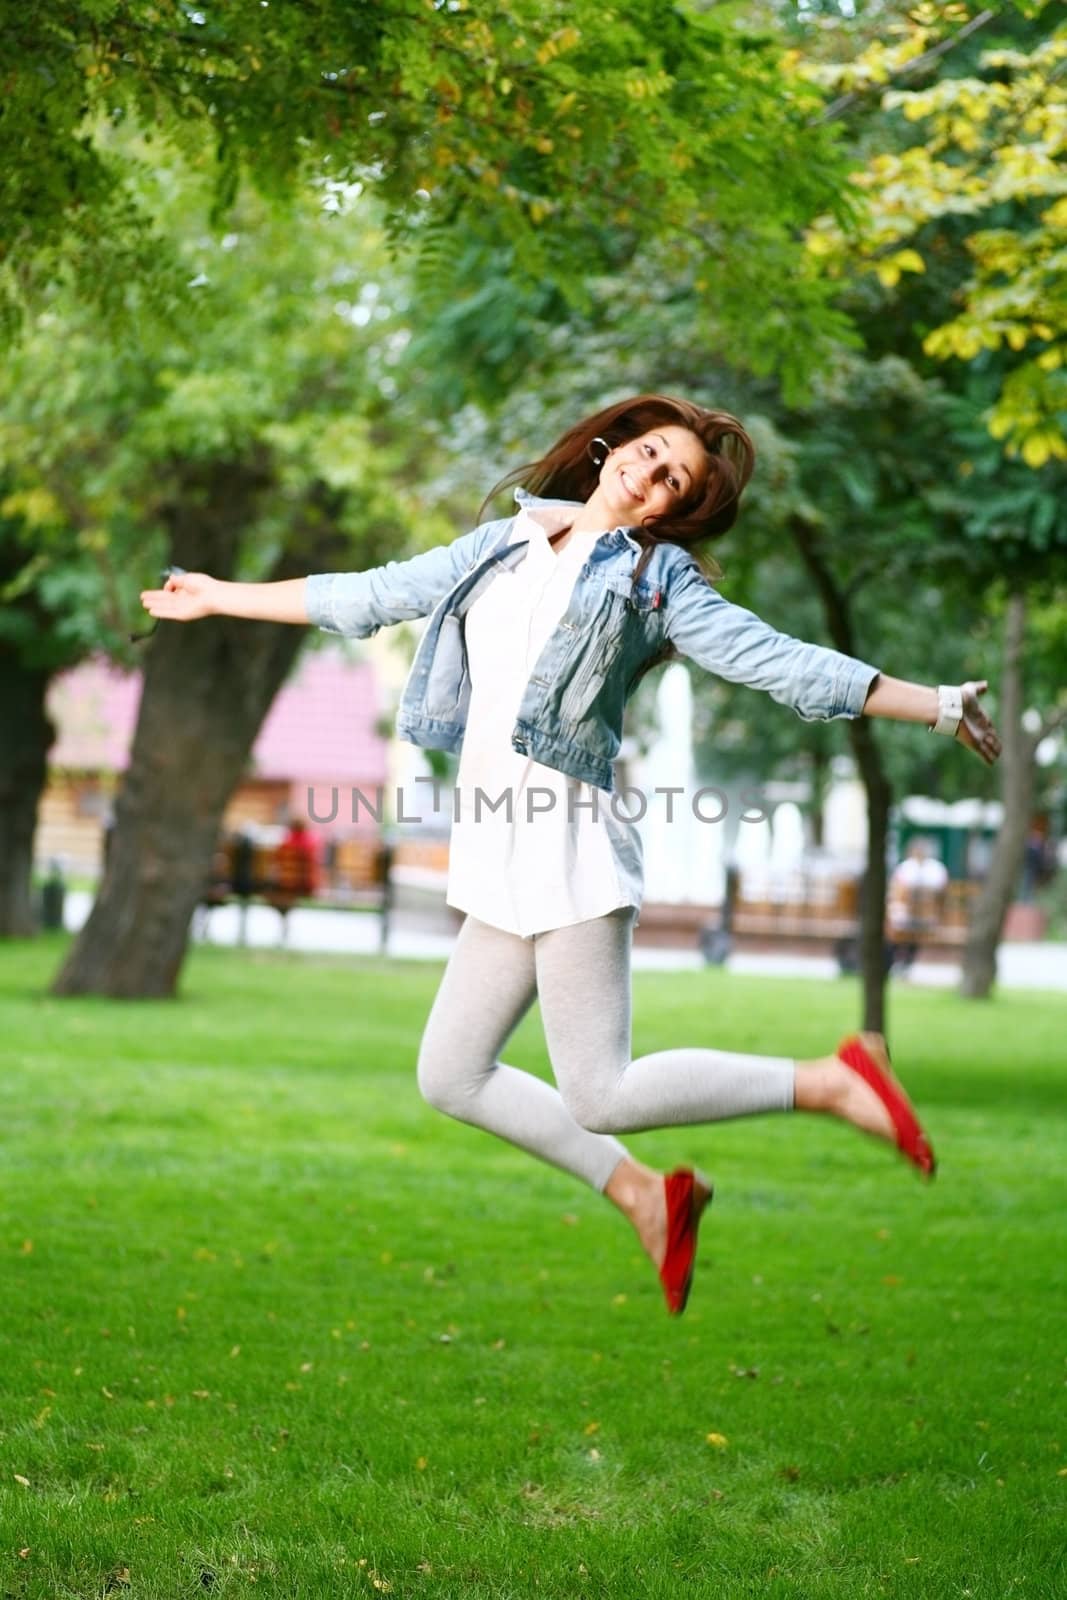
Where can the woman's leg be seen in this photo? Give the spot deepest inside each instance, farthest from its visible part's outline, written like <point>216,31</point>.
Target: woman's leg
<point>488,986</point>
<point>583,978</point>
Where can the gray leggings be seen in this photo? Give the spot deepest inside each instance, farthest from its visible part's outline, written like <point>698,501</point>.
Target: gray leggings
<point>581,975</point>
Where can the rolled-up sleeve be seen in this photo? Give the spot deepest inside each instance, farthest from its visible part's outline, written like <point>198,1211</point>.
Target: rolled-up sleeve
<point>359,603</point>
<point>735,644</point>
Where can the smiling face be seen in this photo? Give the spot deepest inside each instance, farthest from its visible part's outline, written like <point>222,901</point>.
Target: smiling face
<point>653,475</point>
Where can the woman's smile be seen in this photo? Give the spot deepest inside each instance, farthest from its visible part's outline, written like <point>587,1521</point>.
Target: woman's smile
<point>632,488</point>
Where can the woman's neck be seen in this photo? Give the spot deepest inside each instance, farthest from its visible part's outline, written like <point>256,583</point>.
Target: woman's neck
<point>593,516</point>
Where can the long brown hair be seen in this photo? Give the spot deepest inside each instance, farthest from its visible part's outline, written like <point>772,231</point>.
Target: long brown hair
<point>568,471</point>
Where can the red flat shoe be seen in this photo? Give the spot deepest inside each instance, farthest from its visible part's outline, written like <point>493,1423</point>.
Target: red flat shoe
<point>687,1193</point>
<point>867,1056</point>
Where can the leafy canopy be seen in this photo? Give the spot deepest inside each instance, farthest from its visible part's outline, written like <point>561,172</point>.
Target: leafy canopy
<point>574,131</point>
<point>978,172</point>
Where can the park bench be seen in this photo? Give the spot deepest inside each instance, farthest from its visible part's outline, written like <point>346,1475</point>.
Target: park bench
<point>355,874</point>
<point>821,915</point>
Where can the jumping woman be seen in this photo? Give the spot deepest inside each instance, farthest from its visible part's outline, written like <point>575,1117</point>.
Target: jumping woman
<point>540,625</point>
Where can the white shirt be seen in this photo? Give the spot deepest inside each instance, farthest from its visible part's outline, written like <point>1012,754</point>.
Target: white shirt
<point>914,888</point>
<point>553,861</point>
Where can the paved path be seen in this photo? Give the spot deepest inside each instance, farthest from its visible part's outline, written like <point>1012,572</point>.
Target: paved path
<point>1020,966</point>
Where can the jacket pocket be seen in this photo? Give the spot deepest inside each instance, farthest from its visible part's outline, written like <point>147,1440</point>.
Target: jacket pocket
<point>615,628</point>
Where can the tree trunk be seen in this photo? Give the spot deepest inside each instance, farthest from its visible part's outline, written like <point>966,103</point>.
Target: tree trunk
<point>1017,793</point>
<point>25,738</point>
<point>875,781</point>
<point>820,783</point>
<point>208,686</point>
<point>872,902</point>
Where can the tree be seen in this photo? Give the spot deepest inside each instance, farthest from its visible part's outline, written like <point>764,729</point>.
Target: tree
<point>259,446</point>
<point>967,231</point>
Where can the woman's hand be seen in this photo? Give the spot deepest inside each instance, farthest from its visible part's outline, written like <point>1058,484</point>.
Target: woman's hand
<point>184,598</point>
<point>975,729</point>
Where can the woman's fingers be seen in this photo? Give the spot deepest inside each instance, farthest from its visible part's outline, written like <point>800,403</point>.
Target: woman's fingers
<point>185,597</point>
<point>981,736</point>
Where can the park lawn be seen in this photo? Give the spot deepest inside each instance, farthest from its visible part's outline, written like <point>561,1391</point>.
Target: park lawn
<point>271,1326</point>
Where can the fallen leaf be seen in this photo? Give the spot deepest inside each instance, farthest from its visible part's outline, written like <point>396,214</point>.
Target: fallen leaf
<point>421,1464</point>
<point>27,1247</point>
<point>719,1440</point>
<point>591,1428</point>
<point>25,1482</point>
<point>618,1300</point>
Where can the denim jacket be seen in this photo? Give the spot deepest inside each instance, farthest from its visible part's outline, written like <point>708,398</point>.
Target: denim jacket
<point>570,715</point>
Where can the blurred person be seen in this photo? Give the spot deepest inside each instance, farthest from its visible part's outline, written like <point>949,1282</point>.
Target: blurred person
<point>298,854</point>
<point>541,623</point>
<point>1039,863</point>
<point>916,900</point>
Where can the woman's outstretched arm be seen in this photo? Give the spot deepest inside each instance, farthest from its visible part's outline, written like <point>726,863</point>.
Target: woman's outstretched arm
<point>354,603</point>
<point>188,596</point>
<point>817,682</point>
<point>914,702</point>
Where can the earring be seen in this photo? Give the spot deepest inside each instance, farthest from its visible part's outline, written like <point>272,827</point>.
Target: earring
<point>598,460</point>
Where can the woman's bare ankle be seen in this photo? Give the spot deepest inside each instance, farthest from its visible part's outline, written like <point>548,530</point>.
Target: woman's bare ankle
<point>631,1186</point>
<point>638,1192</point>
<point>818,1084</point>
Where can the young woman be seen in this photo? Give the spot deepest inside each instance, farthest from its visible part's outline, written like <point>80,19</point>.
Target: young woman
<point>540,625</point>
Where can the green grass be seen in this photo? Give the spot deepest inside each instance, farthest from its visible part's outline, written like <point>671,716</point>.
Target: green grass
<point>270,1326</point>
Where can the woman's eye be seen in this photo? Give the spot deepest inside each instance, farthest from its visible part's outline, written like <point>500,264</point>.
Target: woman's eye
<point>672,483</point>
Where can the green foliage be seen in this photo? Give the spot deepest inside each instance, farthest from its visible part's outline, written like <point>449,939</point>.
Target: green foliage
<point>567,135</point>
<point>280,387</point>
<point>980,201</point>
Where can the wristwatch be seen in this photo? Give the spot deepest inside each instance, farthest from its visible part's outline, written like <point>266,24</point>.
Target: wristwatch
<point>949,710</point>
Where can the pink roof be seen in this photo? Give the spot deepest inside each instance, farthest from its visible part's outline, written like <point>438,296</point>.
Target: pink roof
<point>321,727</point>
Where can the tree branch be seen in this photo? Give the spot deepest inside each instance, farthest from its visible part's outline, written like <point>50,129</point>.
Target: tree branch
<point>1052,720</point>
<point>830,592</point>
<point>843,101</point>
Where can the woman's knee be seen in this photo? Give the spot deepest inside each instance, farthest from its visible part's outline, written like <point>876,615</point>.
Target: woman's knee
<point>433,1077</point>
<point>444,1078</point>
<point>591,1106</point>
